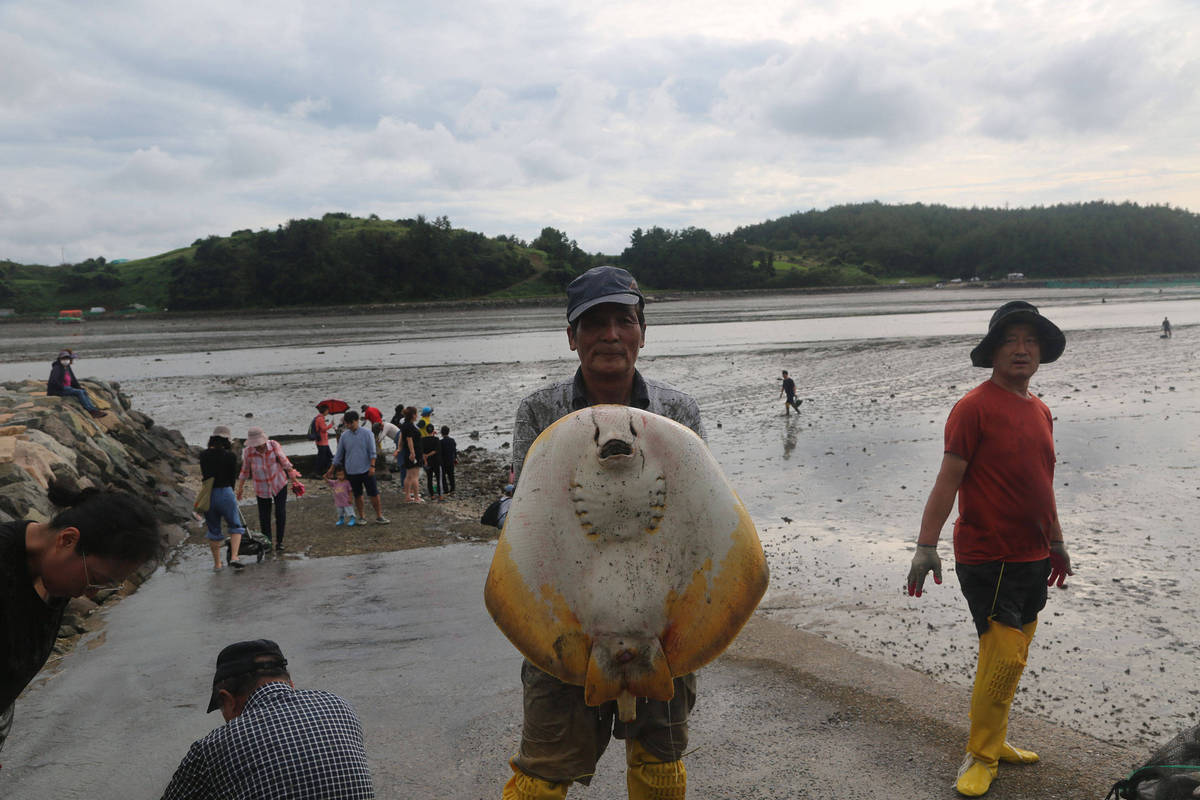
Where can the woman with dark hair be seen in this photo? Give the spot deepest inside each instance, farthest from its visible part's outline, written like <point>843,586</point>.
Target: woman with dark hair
<point>62,382</point>
<point>219,463</point>
<point>410,446</point>
<point>95,543</point>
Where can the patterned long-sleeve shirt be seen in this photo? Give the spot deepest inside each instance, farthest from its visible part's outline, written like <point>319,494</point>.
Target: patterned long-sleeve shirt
<point>298,744</point>
<point>270,470</point>
<point>547,405</point>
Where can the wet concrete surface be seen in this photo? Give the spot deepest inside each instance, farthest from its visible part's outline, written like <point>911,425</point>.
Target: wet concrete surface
<point>404,637</point>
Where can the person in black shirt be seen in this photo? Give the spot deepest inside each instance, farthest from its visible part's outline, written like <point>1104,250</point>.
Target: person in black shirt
<point>788,387</point>
<point>449,457</point>
<point>431,456</point>
<point>96,542</point>
<point>219,463</point>
<point>411,454</point>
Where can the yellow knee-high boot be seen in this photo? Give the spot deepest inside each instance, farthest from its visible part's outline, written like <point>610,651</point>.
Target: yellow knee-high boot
<point>1002,654</point>
<point>522,786</point>
<point>650,778</point>
<point>1010,754</point>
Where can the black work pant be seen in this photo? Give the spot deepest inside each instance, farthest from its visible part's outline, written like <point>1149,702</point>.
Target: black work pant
<point>264,514</point>
<point>324,458</point>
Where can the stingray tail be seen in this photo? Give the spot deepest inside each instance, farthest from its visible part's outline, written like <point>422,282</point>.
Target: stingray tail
<point>623,668</point>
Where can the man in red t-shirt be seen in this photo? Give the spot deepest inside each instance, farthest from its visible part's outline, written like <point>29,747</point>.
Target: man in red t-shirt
<point>1008,545</point>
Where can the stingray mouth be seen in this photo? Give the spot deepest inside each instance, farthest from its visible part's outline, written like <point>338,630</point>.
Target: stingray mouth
<point>615,447</point>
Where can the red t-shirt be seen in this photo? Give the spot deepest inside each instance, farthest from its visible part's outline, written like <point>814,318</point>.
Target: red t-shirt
<point>373,414</point>
<point>322,426</point>
<point>1006,508</point>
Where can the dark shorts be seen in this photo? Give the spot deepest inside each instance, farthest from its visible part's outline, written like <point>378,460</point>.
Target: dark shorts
<point>563,737</point>
<point>357,482</point>
<point>1012,593</point>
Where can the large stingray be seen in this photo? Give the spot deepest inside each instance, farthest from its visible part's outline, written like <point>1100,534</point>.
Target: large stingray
<point>626,559</point>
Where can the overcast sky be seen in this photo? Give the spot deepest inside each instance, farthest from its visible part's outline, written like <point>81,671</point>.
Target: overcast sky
<point>131,128</point>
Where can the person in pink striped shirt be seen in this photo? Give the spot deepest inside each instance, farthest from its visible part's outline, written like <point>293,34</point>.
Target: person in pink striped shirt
<point>264,461</point>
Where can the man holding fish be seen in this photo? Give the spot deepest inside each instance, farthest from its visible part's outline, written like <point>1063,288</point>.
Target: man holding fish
<point>563,737</point>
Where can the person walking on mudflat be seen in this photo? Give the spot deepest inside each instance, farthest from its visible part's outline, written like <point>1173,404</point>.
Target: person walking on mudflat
<point>788,387</point>
<point>1008,544</point>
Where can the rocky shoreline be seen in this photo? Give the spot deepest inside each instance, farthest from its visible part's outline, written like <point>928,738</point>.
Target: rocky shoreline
<point>44,438</point>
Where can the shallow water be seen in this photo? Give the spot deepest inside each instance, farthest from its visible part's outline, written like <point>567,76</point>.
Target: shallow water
<point>837,491</point>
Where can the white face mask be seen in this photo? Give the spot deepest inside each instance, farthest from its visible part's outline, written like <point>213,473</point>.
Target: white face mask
<point>66,362</point>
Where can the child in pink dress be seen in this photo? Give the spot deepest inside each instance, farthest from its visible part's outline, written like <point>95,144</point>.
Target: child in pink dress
<point>342,499</point>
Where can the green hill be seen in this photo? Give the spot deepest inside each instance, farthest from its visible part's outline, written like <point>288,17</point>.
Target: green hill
<point>340,259</point>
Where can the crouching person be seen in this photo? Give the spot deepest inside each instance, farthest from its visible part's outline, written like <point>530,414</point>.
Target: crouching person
<point>277,740</point>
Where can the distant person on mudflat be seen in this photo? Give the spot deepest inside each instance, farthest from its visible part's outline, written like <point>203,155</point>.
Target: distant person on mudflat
<point>431,458</point>
<point>219,463</point>
<point>264,462</point>
<point>371,414</point>
<point>356,455</point>
<point>320,425</point>
<point>343,499</point>
<point>63,383</point>
<point>95,542</point>
<point>277,741</point>
<point>410,452</point>
<point>788,388</point>
<point>449,459</point>
<point>386,431</point>
<point>1166,326</point>
<point>1008,543</point>
<point>398,416</point>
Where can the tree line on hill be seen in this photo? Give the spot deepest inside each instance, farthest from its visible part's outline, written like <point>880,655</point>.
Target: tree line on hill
<point>1062,241</point>
<point>340,259</point>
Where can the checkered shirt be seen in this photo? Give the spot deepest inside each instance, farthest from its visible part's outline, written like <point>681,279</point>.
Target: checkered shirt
<point>287,743</point>
<point>270,470</point>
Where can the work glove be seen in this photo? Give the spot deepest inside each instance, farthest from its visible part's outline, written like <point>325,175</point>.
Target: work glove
<point>924,560</point>
<point>1060,564</point>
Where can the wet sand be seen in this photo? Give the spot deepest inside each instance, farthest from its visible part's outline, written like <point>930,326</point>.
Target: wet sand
<point>403,636</point>
<point>837,491</point>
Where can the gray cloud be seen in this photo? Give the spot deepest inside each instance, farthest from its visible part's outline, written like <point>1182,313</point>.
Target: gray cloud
<point>155,124</point>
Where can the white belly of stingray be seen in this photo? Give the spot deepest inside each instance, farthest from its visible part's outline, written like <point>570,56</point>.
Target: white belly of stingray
<point>626,558</point>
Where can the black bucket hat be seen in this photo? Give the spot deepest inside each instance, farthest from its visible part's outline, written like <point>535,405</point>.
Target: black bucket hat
<point>1051,338</point>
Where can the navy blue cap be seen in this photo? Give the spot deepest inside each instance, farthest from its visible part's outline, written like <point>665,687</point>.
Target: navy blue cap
<point>242,657</point>
<point>602,285</point>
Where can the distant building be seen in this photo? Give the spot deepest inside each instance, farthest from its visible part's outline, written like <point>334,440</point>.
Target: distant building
<point>8,312</point>
<point>1016,276</point>
<point>97,310</point>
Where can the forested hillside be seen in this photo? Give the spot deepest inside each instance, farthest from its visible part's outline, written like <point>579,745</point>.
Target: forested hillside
<point>1076,240</point>
<point>340,259</point>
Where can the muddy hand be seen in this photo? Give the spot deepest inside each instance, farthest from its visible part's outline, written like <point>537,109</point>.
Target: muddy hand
<point>924,560</point>
<point>1060,564</point>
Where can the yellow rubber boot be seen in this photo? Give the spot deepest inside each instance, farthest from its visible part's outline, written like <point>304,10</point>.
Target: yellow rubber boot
<point>1009,753</point>
<point>650,778</point>
<point>522,786</point>
<point>1002,654</point>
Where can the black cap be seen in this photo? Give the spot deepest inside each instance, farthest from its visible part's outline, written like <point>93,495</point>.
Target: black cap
<point>240,658</point>
<point>1052,340</point>
<point>602,285</point>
